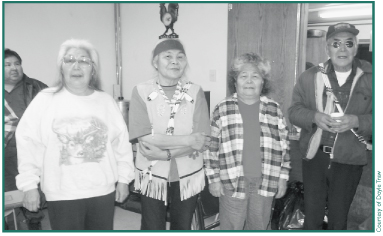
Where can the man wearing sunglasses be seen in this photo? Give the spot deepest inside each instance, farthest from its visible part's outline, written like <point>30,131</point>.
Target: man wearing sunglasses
<point>333,154</point>
<point>19,90</point>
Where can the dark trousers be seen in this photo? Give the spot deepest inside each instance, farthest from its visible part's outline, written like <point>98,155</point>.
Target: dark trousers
<point>336,184</point>
<point>9,182</point>
<point>94,213</point>
<point>181,212</point>
<point>10,166</point>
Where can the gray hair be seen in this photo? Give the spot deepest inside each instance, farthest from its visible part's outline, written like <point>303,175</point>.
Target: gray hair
<point>94,82</point>
<point>255,60</point>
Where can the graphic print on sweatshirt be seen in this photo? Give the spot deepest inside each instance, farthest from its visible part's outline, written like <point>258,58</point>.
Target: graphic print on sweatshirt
<point>83,139</point>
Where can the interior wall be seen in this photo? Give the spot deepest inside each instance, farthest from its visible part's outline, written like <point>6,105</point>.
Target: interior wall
<point>202,28</point>
<point>315,50</point>
<point>36,31</point>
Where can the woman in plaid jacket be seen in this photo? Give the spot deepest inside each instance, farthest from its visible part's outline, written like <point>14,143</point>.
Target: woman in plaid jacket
<point>248,161</point>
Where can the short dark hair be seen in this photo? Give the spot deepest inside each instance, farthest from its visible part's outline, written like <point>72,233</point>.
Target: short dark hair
<point>9,53</point>
<point>255,60</point>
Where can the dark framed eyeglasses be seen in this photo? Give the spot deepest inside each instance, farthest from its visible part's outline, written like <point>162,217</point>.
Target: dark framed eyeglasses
<point>82,61</point>
<point>337,44</point>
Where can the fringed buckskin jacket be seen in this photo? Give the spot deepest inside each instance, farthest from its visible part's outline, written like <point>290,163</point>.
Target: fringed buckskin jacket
<point>190,169</point>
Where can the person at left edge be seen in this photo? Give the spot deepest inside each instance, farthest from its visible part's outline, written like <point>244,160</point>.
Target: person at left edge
<point>19,91</point>
<point>73,140</point>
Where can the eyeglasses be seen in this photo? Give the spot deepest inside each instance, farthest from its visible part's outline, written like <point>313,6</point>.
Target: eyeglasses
<point>82,61</point>
<point>337,44</point>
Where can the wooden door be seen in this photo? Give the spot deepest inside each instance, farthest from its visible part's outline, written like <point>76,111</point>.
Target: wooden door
<point>275,32</point>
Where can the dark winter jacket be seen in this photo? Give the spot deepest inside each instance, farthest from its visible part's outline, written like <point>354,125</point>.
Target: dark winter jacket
<point>31,87</point>
<point>346,149</point>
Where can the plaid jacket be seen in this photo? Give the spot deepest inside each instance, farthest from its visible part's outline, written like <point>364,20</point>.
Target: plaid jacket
<point>10,123</point>
<point>223,160</point>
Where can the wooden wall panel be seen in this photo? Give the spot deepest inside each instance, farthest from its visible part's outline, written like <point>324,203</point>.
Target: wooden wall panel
<point>302,43</point>
<point>271,31</point>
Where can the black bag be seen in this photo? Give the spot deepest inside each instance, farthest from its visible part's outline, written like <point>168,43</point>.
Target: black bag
<point>132,202</point>
<point>288,212</point>
<point>292,215</point>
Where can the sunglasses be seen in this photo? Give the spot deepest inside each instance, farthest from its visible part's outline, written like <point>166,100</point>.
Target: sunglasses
<point>82,61</point>
<point>337,44</point>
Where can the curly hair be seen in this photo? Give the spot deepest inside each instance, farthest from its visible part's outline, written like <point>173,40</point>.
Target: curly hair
<point>253,59</point>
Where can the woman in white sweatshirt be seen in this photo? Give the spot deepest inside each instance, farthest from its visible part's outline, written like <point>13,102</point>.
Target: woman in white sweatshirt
<point>73,141</point>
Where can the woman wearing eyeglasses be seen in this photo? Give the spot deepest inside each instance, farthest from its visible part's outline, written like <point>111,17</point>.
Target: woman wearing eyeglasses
<point>73,141</point>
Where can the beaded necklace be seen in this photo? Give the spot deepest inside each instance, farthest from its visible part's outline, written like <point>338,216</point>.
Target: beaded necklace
<point>174,103</point>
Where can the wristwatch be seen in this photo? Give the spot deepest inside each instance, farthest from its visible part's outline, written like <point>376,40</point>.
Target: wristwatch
<point>169,154</point>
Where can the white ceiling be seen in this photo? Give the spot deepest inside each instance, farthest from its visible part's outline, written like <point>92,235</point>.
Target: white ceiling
<point>314,18</point>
